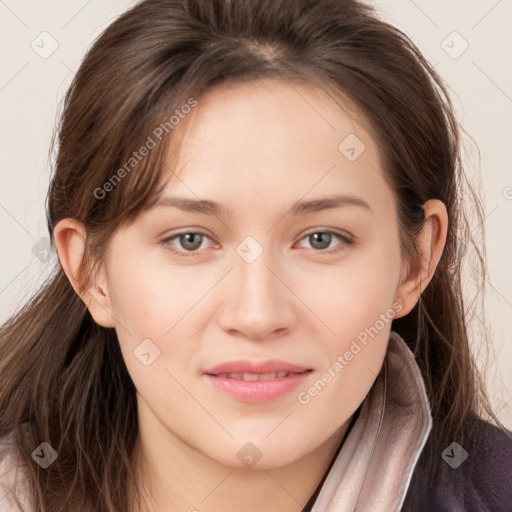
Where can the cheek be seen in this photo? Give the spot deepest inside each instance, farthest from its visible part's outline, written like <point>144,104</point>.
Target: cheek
<point>154,302</point>
<point>148,299</point>
<point>355,294</point>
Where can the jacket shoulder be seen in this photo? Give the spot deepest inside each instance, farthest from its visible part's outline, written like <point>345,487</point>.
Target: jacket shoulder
<point>472,474</point>
<point>488,472</point>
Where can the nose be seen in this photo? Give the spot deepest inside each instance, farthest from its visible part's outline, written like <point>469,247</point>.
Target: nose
<point>259,304</point>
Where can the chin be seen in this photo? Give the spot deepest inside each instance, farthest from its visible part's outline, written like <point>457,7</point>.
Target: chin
<point>259,454</point>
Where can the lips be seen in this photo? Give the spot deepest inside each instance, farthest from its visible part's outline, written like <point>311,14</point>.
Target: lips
<point>257,381</point>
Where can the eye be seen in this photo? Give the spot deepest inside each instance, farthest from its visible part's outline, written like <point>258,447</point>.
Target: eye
<point>321,240</point>
<point>190,241</point>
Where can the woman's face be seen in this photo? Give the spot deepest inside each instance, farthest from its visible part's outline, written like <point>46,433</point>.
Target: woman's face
<point>273,273</point>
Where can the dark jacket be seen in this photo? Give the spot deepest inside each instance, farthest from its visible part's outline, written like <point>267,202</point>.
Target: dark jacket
<point>482,482</point>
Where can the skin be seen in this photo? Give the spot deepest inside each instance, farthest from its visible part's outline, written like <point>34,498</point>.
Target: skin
<point>268,144</point>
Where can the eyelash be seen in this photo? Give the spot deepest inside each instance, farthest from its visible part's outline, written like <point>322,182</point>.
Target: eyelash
<point>166,242</point>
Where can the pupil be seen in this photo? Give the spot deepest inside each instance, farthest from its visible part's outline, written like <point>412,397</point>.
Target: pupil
<point>189,239</point>
<point>318,237</point>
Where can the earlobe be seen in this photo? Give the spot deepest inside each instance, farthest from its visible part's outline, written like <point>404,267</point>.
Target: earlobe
<point>431,242</point>
<point>70,236</point>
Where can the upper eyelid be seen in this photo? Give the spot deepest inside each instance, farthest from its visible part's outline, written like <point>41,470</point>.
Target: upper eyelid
<point>329,231</point>
<point>340,233</point>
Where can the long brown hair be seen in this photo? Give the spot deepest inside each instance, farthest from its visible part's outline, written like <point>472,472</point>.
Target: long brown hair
<point>63,377</point>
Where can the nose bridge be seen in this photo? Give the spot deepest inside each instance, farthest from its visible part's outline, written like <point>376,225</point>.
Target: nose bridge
<point>255,282</point>
<point>259,303</point>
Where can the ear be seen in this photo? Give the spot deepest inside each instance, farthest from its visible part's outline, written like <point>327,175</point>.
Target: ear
<point>70,236</point>
<point>431,242</point>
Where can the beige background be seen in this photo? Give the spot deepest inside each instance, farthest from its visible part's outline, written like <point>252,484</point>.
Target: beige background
<point>32,85</point>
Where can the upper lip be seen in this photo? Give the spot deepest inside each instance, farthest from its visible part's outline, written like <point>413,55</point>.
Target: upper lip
<point>261,367</point>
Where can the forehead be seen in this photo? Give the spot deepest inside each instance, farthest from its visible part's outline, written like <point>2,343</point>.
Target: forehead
<point>276,139</point>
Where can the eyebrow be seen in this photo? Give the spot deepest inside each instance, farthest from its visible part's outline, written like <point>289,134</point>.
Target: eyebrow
<point>301,207</point>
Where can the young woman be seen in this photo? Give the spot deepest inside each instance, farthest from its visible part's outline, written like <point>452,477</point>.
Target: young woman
<point>257,211</point>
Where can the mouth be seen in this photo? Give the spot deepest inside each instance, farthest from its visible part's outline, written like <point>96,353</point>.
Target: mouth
<point>251,377</point>
<point>257,382</point>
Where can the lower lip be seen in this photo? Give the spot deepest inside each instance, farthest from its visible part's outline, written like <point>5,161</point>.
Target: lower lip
<point>258,390</point>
